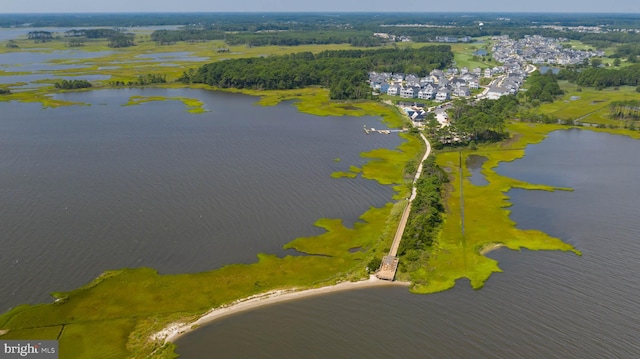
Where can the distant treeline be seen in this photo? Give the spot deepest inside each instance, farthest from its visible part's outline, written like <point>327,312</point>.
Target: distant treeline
<point>303,21</point>
<point>355,38</point>
<point>93,33</point>
<point>365,38</point>
<point>274,37</point>
<point>72,84</point>
<point>344,72</point>
<point>601,78</point>
<point>188,34</point>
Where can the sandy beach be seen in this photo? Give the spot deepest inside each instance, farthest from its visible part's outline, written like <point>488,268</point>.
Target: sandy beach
<point>176,330</point>
<point>490,248</point>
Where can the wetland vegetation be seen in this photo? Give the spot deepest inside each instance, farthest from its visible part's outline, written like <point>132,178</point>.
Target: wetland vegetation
<point>454,221</point>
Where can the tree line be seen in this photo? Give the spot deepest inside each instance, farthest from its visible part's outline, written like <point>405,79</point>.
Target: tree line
<point>269,37</point>
<point>142,80</point>
<point>625,110</point>
<point>72,84</point>
<point>344,72</point>
<point>427,211</point>
<point>601,78</point>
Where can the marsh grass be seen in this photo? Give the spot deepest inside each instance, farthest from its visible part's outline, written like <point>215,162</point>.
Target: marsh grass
<point>193,105</point>
<point>486,217</point>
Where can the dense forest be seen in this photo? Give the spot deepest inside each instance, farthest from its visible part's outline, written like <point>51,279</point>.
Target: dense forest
<point>344,72</point>
<point>542,87</point>
<point>72,84</point>
<point>601,78</point>
<point>483,120</point>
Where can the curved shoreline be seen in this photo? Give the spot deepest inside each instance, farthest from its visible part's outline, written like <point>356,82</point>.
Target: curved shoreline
<point>174,331</point>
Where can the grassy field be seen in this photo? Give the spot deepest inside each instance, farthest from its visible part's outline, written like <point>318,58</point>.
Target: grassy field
<point>588,105</point>
<point>463,53</point>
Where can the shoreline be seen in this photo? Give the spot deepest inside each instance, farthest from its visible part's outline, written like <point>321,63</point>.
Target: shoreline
<point>175,330</point>
<point>490,247</point>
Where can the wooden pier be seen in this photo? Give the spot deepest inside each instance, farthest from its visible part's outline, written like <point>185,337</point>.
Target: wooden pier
<point>381,132</point>
<point>389,265</point>
<point>388,268</point>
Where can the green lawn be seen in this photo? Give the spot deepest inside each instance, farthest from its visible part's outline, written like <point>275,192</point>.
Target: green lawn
<point>589,105</point>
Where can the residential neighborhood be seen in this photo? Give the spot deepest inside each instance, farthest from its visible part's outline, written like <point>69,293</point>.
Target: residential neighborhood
<point>516,58</point>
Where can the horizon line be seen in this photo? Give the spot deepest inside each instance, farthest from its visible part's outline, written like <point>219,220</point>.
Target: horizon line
<point>318,12</point>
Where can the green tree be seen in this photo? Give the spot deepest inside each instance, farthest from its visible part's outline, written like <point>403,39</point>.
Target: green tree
<point>596,62</point>
<point>616,62</point>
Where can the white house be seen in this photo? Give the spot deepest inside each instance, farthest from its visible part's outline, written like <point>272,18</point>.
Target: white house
<point>393,90</point>
<point>496,92</point>
<point>427,93</point>
<point>461,91</point>
<point>409,92</point>
<point>443,95</point>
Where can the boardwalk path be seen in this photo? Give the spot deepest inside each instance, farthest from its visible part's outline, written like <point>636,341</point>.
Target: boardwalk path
<point>390,262</point>
<point>407,209</point>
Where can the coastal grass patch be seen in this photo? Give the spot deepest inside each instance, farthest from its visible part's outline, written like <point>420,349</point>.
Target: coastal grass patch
<point>459,254</point>
<point>343,174</point>
<point>192,105</point>
<point>105,339</point>
<point>352,173</point>
<point>41,333</point>
<point>336,240</point>
<point>387,166</point>
<point>41,97</point>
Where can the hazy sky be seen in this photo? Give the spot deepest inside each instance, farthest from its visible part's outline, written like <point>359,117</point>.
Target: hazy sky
<point>627,6</point>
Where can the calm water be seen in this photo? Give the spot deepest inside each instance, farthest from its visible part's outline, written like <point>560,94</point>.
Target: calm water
<point>474,164</point>
<point>544,305</point>
<point>90,188</point>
